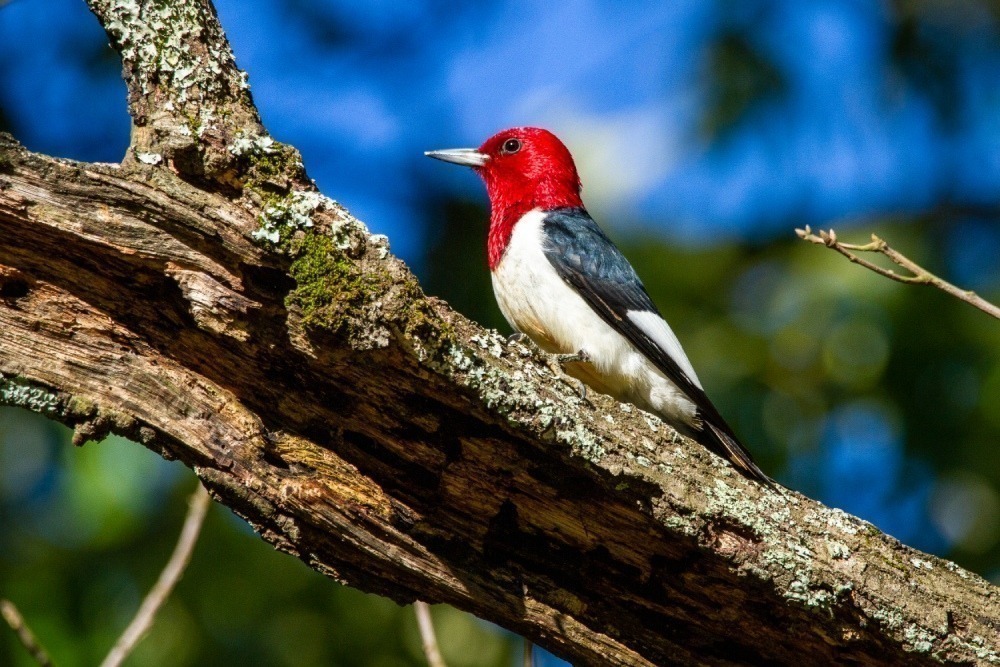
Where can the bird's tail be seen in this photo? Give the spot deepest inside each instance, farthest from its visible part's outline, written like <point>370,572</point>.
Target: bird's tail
<point>725,444</point>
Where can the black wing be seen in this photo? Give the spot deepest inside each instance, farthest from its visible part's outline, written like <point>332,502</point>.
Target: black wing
<point>587,260</point>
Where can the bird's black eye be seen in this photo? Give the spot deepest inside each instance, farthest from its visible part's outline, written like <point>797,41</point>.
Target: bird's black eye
<point>511,146</point>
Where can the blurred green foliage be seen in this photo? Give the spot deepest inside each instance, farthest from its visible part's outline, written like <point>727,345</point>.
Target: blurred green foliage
<point>740,78</point>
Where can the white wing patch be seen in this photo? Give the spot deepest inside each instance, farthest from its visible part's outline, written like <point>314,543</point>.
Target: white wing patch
<point>660,333</point>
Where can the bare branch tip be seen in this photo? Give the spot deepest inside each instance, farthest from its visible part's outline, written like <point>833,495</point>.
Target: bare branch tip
<point>171,574</point>
<point>828,238</point>
<point>15,620</point>
<point>427,635</point>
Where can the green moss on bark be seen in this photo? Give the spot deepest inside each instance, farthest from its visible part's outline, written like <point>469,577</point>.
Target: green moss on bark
<point>266,165</point>
<point>329,285</point>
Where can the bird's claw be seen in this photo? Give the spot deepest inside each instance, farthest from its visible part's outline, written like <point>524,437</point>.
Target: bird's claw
<point>517,337</point>
<point>579,356</point>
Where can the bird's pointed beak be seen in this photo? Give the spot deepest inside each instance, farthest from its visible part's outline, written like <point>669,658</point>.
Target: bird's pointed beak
<point>469,157</point>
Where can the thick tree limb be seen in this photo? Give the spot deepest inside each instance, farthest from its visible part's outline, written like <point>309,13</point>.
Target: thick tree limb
<point>239,322</point>
<point>190,105</point>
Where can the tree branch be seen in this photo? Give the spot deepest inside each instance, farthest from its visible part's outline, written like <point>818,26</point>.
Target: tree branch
<point>259,334</point>
<point>24,634</point>
<point>427,637</point>
<point>920,275</point>
<point>190,105</point>
<point>171,574</point>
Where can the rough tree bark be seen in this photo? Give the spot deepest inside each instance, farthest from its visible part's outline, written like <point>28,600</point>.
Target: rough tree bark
<point>203,299</point>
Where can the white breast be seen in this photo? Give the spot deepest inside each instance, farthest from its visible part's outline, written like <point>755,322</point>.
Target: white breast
<point>538,303</point>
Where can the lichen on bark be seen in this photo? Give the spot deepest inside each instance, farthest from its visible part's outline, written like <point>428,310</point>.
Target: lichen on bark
<point>21,393</point>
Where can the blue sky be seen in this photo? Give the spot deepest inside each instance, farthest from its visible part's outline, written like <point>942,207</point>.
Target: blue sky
<point>362,88</point>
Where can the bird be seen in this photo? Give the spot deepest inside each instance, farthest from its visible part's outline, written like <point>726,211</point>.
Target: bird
<point>560,280</point>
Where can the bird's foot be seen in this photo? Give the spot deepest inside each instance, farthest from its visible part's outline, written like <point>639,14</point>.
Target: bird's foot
<point>517,337</point>
<point>578,356</point>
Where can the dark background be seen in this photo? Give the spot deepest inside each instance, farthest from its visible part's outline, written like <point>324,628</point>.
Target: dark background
<point>704,132</point>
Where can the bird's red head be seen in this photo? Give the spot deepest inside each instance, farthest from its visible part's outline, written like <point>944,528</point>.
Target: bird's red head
<point>523,168</point>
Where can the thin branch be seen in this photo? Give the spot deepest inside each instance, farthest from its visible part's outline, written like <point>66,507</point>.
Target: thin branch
<point>24,633</point>
<point>427,636</point>
<point>920,275</point>
<point>169,577</point>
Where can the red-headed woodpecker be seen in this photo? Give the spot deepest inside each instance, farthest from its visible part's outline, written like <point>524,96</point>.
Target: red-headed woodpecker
<point>560,280</point>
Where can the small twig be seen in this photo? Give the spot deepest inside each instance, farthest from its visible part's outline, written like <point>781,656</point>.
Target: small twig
<point>431,650</point>
<point>529,654</point>
<point>24,633</point>
<point>920,275</point>
<point>169,577</point>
